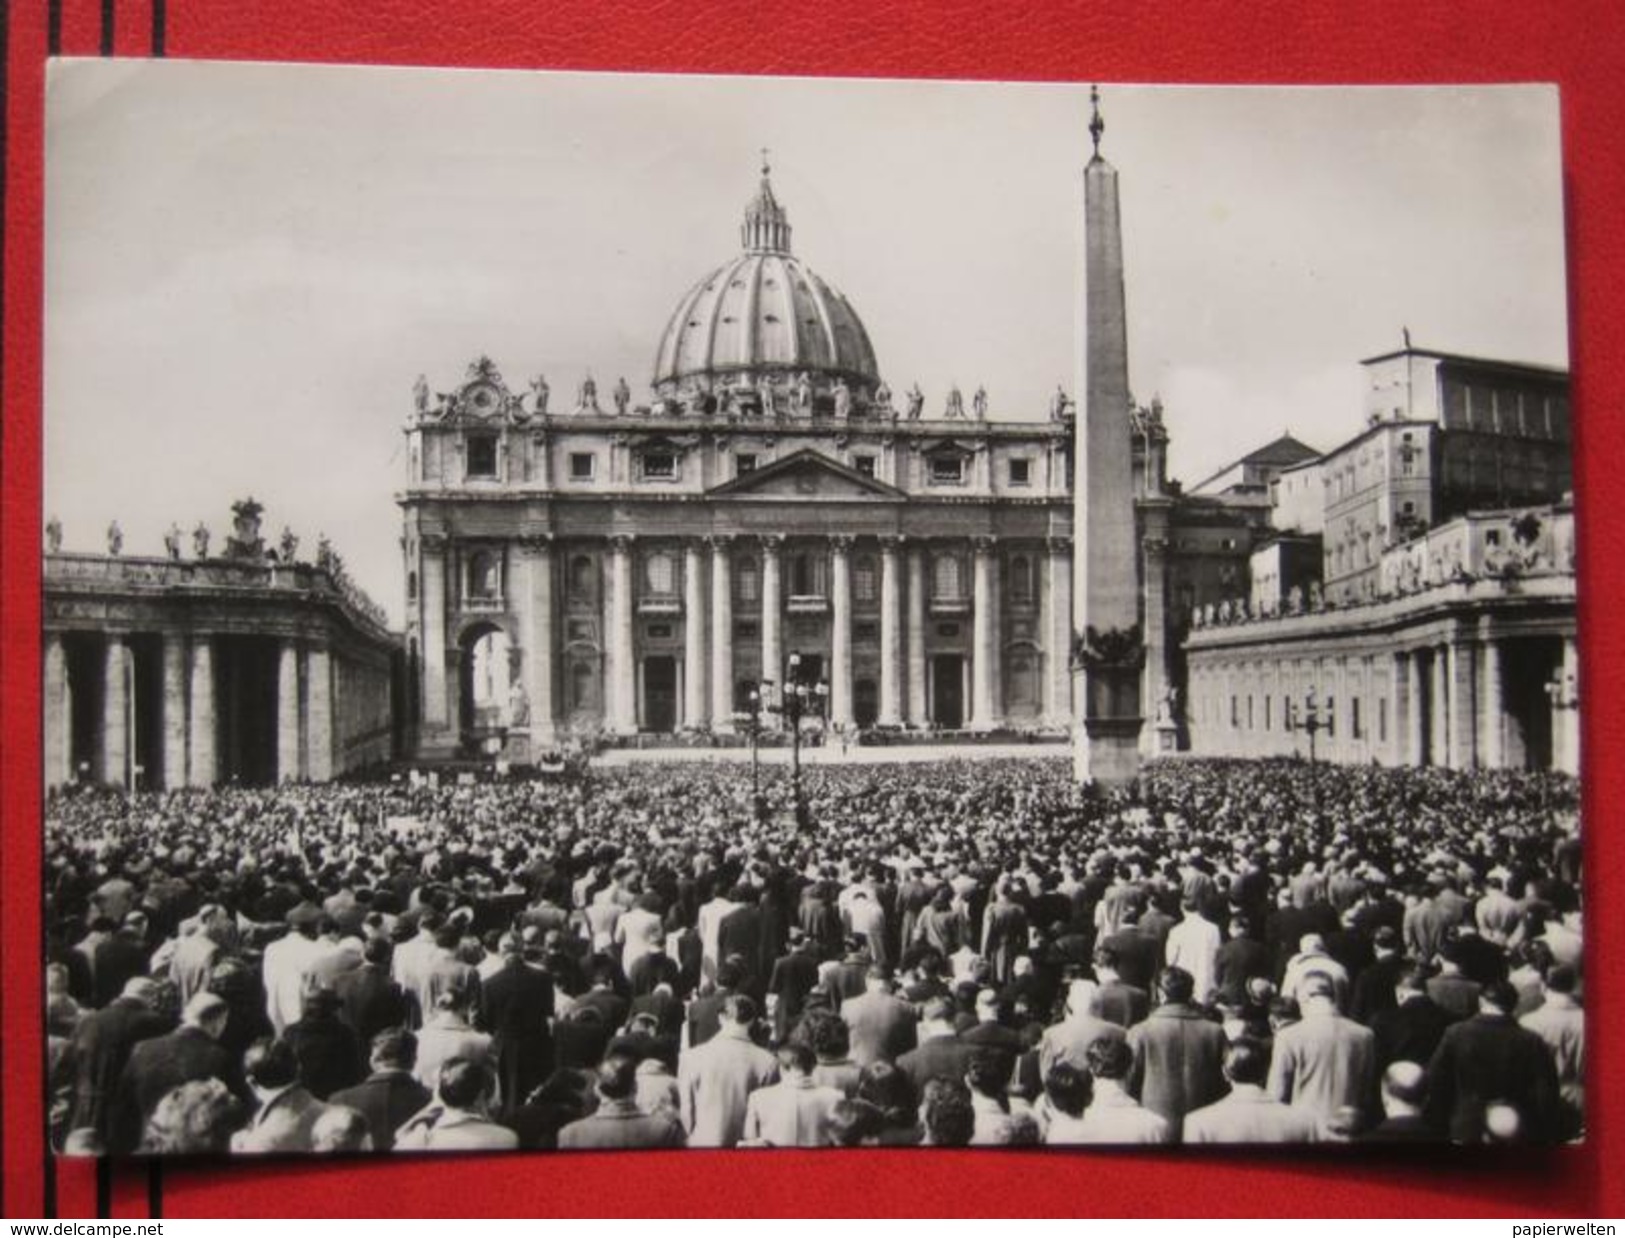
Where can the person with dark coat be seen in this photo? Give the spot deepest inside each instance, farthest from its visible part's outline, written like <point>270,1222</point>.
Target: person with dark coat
<point>101,1048</point>
<point>1178,1053</point>
<point>369,998</point>
<point>516,1007</point>
<point>389,1095</point>
<point>664,1007</point>
<point>1240,959</point>
<point>1374,987</point>
<point>940,1054</point>
<point>160,1064</point>
<point>793,977</point>
<point>1116,1000</point>
<point>739,936</point>
<point>1404,1092</point>
<point>1137,954</point>
<point>618,1122</point>
<point>121,958</point>
<point>704,1017</point>
<point>1489,1059</point>
<point>327,1050</point>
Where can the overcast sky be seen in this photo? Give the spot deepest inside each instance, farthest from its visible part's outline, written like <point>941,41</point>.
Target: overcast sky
<point>248,265</point>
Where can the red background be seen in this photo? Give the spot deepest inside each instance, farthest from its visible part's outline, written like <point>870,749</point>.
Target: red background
<point>1580,45</point>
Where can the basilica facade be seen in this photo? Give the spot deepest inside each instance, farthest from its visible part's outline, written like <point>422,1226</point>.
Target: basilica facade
<point>588,564</point>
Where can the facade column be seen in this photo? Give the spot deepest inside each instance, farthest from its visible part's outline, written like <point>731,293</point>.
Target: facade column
<point>984,639</point>
<point>891,634</point>
<point>174,710</point>
<point>772,609</point>
<point>432,595</point>
<point>1057,628</point>
<point>840,632</point>
<point>115,714</point>
<point>916,636</point>
<point>200,762</point>
<point>539,637</point>
<point>695,703</point>
<point>287,712</point>
<point>1566,735</point>
<point>1491,706</point>
<point>1463,716</point>
<point>319,715</point>
<point>1438,712</point>
<point>1156,651</point>
<point>722,634</point>
<point>623,666</point>
<point>1415,751</point>
<point>58,711</point>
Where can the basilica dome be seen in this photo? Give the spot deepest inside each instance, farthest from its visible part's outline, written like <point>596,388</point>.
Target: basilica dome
<point>762,319</point>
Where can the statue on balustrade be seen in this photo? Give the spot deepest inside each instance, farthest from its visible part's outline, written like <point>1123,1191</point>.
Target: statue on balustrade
<point>288,545</point>
<point>420,395</point>
<point>956,404</point>
<point>53,536</point>
<point>622,397</point>
<point>979,403</point>
<point>172,540</point>
<point>200,541</point>
<point>539,391</point>
<point>843,400</point>
<point>115,539</point>
<point>1058,403</point>
<point>804,395</point>
<point>916,402</point>
<point>883,404</point>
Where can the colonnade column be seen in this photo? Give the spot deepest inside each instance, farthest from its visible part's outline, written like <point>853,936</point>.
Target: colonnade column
<point>891,634</point>
<point>432,591</point>
<point>1463,715</point>
<point>318,714</point>
<point>984,638</point>
<point>58,711</point>
<point>623,670</point>
<point>722,634</point>
<point>1491,711</point>
<point>174,710</point>
<point>916,636</point>
<point>772,610</point>
<point>1439,709</point>
<point>539,638</point>
<point>1155,629</point>
<point>695,711</point>
<point>1058,633</point>
<point>115,714</point>
<point>287,712</point>
<point>840,633</point>
<point>200,735</point>
<point>1566,746</point>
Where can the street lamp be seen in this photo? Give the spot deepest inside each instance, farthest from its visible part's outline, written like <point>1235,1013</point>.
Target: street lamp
<point>1310,717</point>
<point>753,723</point>
<point>1563,691</point>
<point>801,700</point>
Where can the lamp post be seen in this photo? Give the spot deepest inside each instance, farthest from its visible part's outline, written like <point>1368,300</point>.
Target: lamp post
<point>801,700</point>
<point>752,722</point>
<point>1313,719</point>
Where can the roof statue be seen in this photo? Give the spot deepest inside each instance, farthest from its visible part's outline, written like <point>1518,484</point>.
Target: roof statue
<point>916,402</point>
<point>622,397</point>
<point>955,409</point>
<point>53,535</point>
<point>115,539</point>
<point>979,403</point>
<point>1097,125</point>
<point>539,392</point>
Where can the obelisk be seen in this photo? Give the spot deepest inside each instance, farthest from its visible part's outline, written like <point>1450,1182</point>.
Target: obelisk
<point>1108,649</point>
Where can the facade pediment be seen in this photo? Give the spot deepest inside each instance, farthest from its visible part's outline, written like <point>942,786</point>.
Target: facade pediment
<point>806,474</point>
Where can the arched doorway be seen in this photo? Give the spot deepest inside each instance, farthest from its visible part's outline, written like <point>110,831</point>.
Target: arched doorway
<point>486,674</point>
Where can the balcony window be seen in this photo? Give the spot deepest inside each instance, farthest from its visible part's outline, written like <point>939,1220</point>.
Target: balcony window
<point>864,465</point>
<point>747,582</point>
<point>583,465</point>
<point>659,466</point>
<point>947,470</point>
<point>581,576</point>
<point>1021,472</point>
<point>1021,579</point>
<point>946,585</point>
<point>660,574</point>
<point>482,455</point>
<point>863,578</point>
<point>744,462</point>
<point>484,586</point>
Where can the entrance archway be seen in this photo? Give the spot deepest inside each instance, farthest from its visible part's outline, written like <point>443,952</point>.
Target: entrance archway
<point>485,676</point>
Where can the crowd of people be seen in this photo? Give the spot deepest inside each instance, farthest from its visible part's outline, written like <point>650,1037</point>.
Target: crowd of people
<point>970,952</point>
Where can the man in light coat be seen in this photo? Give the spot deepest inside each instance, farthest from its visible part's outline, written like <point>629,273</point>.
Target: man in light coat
<point>715,1080</point>
<point>1324,1062</point>
<point>882,1026</point>
<point>1178,1053</point>
<point>795,1112</point>
<point>1249,1114</point>
<point>1193,944</point>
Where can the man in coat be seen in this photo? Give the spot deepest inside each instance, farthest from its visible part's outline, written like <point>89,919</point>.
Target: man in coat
<point>1178,1053</point>
<point>160,1064</point>
<point>882,1026</point>
<point>456,1120</point>
<point>1116,1000</point>
<point>1324,1062</point>
<point>1411,1030</point>
<point>1249,1114</point>
<point>287,1111</point>
<point>329,1053</point>
<point>715,1079</point>
<point>369,998</point>
<point>1490,1058</point>
<point>516,1007</point>
<point>794,976</point>
<point>102,1044</point>
<point>1069,1040</point>
<point>389,1095</point>
<point>795,1112</point>
<point>941,1054</point>
<point>618,1122</point>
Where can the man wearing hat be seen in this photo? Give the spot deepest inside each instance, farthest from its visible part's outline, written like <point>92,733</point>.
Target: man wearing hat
<point>161,1064</point>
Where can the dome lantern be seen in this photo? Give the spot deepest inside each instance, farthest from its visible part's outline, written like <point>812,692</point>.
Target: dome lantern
<point>766,229</point>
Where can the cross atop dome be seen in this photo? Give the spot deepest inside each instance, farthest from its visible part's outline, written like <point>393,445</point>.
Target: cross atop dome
<point>766,229</point>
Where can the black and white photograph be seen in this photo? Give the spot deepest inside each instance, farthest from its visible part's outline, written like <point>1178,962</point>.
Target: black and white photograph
<point>612,611</point>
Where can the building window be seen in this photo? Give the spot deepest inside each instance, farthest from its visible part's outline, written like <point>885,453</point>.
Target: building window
<point>1331,717</point>
<point>583,464</point>
<point>484,576</point>
<point>660,574</point>
<point>807,575</point>
<point>1249,711</point>
<point>580,630</point>
<point>1269,713</point>
<point>863,578</point>
<point>744,462</point>
<point>482,455</point>
<point>865,632</point>
<point>1235,712</point>
<point>746,629</point>
<point>411,586</point>
<point>945,582</point>
<point>581,687</point>
<point>948,631</point>
<point>1021,579</point>
<point>658,466</point>
<point>1354,718</point>
<point>747,581</point>
<point>1382,719</point>
<point>659,631</point>
<point>1021,472</point>
<point>947,470</point>
<point>581,576</point>
<point>864,465</point>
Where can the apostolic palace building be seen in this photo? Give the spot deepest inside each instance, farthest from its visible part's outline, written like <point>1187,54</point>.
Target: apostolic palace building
<point>773,508</point>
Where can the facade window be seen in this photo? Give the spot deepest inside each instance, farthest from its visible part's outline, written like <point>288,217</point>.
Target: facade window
<point>1269,711</point>
<point>744,462</point>
<point>863,578</point>
<point>746,629</point>
<point>482,455</point>
<point>660,574</point>
<point>945,579</point>
<point>807,575</point>
<point>864,465</point>
<point>1354,718</point>
<point>658,466</point>
<point>947,470</point>
<point>411,586</point>
<point>1382,719</point>
<point>1021,472</point>
<point>1331,717</point>
<point>1249,711</point>
<point>1021,579</point>
<point>583,465</point>
<point>581,687</point>
<point>1235,713</point>
<point>747,581</point>
<point>484,576</point>
<point>581,576</point>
